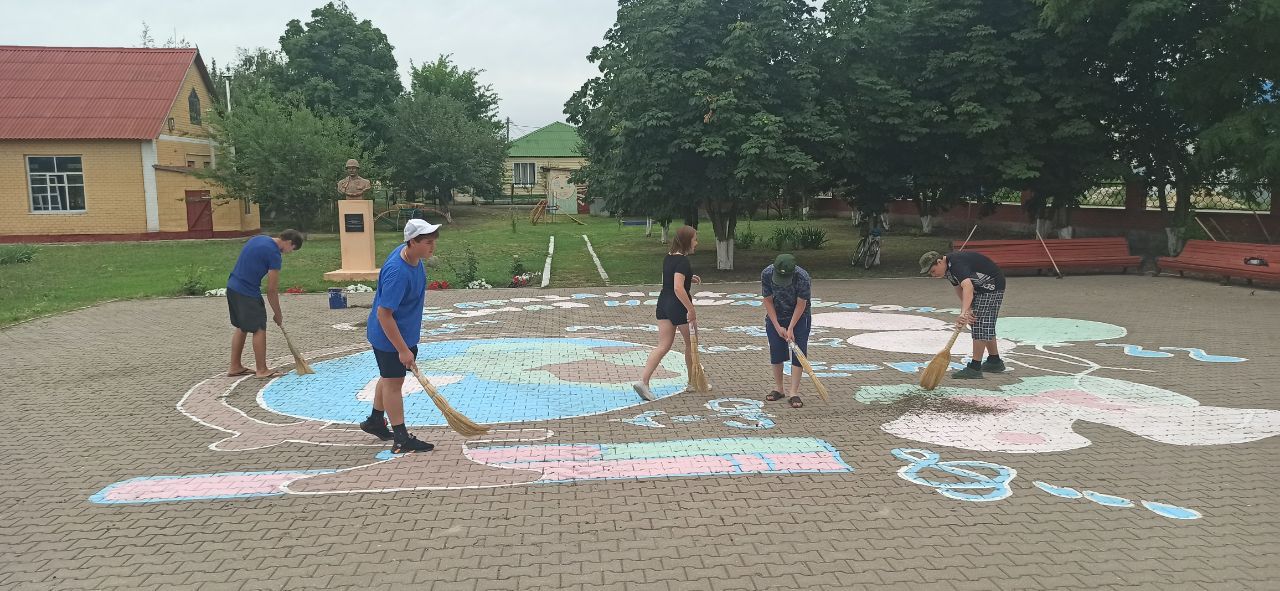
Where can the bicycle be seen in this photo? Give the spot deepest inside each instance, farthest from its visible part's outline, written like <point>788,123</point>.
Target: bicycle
<point>868,252</point>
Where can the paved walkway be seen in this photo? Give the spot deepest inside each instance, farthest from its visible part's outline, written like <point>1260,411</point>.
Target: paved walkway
<point>1132,445</point>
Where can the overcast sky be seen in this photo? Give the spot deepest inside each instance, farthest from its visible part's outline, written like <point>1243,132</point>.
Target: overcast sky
<point>533,52</point>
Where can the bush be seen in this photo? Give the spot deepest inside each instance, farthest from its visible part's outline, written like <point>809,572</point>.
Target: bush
<point>13,255</point>
<point>193,284</point>
<point>470,271</point>
<point>783,238</point>
<point>517,267</point>
<point>745,239</point>
<point>811,238</point>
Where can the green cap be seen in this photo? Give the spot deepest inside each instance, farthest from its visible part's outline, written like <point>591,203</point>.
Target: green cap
<point>784,270</point>
<point>927,261</point>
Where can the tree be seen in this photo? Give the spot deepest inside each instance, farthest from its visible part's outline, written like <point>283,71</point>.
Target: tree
<point>1182,72</point>
<point>439,146</point>
<point>285,158</point>
<point>443,78</point>
<point>342,66</point>
<point>942,101</point>
<point>703,102</point>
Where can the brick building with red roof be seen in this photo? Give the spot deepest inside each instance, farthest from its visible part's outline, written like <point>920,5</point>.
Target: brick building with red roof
<point>101,143</point>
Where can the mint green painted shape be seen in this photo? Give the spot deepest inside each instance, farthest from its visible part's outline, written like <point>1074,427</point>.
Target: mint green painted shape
<point>1036,330</point>
<point>712,447</point>
<point>1113,390</point>
<point>513,362</point>
<point>558,140</point>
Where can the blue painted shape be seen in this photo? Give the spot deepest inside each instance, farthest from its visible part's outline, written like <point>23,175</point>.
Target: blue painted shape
<point>849,306</point>
<point>384,455</point>
<point>1136,350</point>
<point>1171,511</point>
<point>1107,500</point>
<point>744,408</point>
<point>505,390</point>
<point>1058,491</point>
<point>996,487</point>
<point>645,419</point>
<point>615,303</point>
<point>687,419</point>
<point>754,303</point>
<point>908,366</point>
<point>1200,355</point>
<point>583,296</point>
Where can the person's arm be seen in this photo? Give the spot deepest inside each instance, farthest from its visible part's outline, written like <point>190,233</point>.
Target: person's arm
<point>773,316</point>
<point>391,291</point>
<point>387,320</point>
<point>801,304</point>
<point>966,301</point>
<point>273,295</point>
<point>683,295</point>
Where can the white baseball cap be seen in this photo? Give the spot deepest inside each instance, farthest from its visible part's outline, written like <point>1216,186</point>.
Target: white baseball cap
<point>416,227</point>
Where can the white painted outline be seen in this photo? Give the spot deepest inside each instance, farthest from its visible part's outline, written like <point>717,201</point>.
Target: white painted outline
<point>546,267</point>
<point>599,267</point>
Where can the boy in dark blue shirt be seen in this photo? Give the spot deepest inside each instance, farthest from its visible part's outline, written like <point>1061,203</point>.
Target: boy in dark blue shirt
<point>787,289</point>
<point>979,283</point>
<point>259,258</point>
<point>394,327</point>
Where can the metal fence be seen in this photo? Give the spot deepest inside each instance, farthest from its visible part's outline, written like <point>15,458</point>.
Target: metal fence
<point>1104,195</point>
<point>1221,197</point>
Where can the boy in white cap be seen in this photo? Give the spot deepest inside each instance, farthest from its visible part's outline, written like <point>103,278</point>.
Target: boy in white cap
<point>394,327</point>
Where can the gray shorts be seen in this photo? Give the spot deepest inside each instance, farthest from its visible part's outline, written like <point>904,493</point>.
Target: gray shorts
<point>986,307</point>
<point>247,313</point>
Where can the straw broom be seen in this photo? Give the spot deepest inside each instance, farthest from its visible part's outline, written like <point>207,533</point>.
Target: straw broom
<point>937,368</point>
<point>301,368</point>
<point>804,362</point>
<point>697,375</point>
<point>457,421</point>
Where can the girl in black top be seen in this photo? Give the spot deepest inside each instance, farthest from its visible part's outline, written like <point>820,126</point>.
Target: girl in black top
<point>675,307</point>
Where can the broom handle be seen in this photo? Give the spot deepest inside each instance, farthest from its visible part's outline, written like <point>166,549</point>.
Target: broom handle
<point>1046,251</point>
<point>966,240</point>
<point>954,335</point>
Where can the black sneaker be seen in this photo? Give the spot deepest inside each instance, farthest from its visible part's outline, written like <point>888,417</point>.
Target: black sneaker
<point>376,428</point>
<point>993,366</point>
<point>412,444</point>
<point>968,373</point>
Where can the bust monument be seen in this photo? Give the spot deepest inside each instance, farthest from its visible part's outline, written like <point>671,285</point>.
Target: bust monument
<point>353,186</point>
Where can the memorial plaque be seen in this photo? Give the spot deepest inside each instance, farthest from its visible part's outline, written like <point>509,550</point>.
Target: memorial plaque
<point>354,222</point>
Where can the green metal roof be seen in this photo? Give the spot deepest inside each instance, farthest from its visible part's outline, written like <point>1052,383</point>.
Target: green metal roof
<point>558,140</point>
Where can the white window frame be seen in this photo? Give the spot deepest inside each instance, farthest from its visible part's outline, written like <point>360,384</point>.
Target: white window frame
<point>532,176</point>
<point>56,179</point>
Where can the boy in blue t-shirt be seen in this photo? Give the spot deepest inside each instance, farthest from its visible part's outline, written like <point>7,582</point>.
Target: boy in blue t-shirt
<point>394,327</point>
<point>787,289</point>
<point>259,258</point>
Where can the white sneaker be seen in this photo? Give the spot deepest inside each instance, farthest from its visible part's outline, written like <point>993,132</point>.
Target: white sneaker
<point>643,391</point>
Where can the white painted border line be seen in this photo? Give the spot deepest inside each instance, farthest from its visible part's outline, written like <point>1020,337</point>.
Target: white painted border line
<point>599,267</point>
<point>546,268</point>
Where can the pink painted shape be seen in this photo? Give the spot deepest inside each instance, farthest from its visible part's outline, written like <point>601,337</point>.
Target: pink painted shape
<point>159,489</point>
<point>807,462</point>
<point>1017,438</point>
<point>751,463</point>
<point>534,454</point>
<point>647,468</point>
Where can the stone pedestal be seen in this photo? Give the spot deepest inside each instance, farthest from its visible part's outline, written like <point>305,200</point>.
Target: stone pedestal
<point>355,228</point>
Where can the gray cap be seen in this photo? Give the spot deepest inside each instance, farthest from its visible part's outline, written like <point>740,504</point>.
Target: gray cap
<point>927,260</point>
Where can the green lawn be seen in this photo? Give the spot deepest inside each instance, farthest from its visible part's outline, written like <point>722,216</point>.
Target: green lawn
<point>64,277</point>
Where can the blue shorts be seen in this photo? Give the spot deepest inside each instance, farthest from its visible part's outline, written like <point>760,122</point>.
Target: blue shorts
<point>389,365</point>
<point>778,349</point>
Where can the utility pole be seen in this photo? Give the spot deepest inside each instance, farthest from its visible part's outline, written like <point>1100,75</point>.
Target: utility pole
<point>508,129</point>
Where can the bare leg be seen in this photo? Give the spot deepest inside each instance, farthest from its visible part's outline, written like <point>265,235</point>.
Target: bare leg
<point>260,353</point>
<point>796,373</point>
<point>991,348</point>
<point>777,378</point>
<point>392,398</point>
<point>237,352</point>
<point>666,337</point>
<point>978,348</point>
<point>688,348</point>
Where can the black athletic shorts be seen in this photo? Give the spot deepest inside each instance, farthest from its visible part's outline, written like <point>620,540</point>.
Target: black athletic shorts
<point>674,311</point>
<point>247,313</point>
<point>389,365</point>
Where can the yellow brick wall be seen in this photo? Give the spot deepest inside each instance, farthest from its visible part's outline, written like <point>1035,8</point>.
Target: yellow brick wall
<point>540,181</point>
<point>114,199</point>
<point>182,125</point>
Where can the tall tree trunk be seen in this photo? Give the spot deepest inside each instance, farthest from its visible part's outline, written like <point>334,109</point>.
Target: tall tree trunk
<point>724,221</point>
<point>445,197</point>
<point>1176,228</point>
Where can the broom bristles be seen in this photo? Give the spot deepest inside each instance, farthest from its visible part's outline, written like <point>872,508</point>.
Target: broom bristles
<point>804,363</point>
<point>301,367</point>
<point>457,421</point>
<point>697,375</point>
<point>937,368</point>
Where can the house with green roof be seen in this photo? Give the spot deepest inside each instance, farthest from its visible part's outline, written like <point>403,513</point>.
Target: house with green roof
<point>539,164</point>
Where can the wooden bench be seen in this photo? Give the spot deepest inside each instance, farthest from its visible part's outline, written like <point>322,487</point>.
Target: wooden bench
<point>1226,260</point>
<point>1077,253</point>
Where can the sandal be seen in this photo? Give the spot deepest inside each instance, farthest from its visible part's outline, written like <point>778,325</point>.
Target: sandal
<point>774,396</point>
<point>795,402</point>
